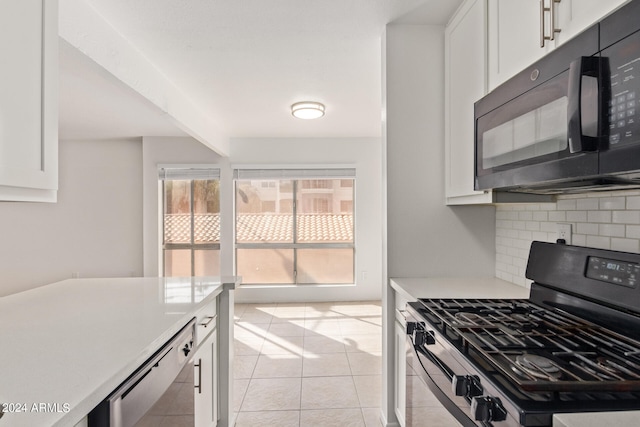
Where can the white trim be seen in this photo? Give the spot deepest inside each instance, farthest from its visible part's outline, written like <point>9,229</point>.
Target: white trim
<point>189,166</point>
<point>235,166</point>
<point>295,173</point>
<point>178,173</point>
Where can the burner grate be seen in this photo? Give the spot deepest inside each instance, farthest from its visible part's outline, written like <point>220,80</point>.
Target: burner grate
<point>537,348</point>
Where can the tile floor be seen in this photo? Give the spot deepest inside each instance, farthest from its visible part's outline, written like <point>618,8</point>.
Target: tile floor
<point>314,364</point>
<point>302,365</point>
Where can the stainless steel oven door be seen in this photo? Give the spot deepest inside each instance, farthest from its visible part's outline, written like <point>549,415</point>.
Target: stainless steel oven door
<point>451,380</point>
<point>424,378</point>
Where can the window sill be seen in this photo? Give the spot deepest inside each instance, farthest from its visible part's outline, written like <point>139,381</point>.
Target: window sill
<point>289,285</point>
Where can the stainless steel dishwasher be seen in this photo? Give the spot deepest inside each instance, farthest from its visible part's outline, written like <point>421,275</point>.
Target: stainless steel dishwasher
<point>138,393</point>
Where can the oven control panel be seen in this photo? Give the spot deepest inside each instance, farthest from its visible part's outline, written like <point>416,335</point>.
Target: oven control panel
<point>613,271</point>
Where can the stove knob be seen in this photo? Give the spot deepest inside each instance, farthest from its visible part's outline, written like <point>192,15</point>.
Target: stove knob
<point>487,409</point>
<point>466,385</point>
<point>411,326</point>
<point>422,337</point>
<point>186,349</point>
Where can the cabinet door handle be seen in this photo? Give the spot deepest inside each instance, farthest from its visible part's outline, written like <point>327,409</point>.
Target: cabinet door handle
<point>552,20</point>
<point>199,366</point>
<point>208,320</point>
<point>542,35</point>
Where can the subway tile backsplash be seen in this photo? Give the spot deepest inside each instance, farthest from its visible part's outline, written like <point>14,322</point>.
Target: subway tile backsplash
<point>608,220</point>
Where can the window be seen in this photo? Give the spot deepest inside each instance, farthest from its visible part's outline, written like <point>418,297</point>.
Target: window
<point>295,227</point>
<point>191,222</point>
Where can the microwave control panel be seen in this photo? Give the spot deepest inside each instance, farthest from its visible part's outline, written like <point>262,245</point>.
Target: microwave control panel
<point>624,62</point>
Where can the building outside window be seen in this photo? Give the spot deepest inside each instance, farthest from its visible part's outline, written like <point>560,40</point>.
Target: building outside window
<point>295,226</point>
<point>191,222</point>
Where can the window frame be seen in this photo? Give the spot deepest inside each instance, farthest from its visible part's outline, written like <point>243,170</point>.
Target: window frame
<point>295,245</point>
<point>172,173</point>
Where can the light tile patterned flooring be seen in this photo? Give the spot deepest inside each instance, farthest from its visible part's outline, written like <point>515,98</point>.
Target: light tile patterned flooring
<point>303,365</point>
<point>298,365</point>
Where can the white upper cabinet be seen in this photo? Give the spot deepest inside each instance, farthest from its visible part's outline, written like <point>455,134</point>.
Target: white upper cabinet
<point>522,31</point>
<point>576,15</point>
<point>465,83</point>
<point>514,34</point>
<point>29,100</point>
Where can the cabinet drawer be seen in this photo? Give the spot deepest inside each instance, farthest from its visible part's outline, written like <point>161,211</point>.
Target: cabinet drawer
<point>401,302</point>
<point>401,306</point>
<point>206,321</point>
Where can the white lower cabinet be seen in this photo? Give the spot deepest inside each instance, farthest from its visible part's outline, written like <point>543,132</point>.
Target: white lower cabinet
<point>205,365</point>
<point>400,359</point>
<point>400,368</point>
<point>206,383</point>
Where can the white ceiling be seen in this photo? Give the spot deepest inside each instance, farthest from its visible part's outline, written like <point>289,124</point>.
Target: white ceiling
<point>242,63</point>
<point>95,105</point>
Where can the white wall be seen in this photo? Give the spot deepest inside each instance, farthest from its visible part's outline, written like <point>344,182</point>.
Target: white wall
<point>425,237</point>
<point>609,220</point>
<point>365,155</point>
<point>94,230</point>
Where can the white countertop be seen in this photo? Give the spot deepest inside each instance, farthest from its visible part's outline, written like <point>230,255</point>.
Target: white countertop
<point>456,287</point>
<point>598,419</point>
<point>412,288</point>
<point>69,344</point>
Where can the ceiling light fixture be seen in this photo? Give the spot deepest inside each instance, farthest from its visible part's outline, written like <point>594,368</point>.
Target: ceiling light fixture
<point>307,110</point>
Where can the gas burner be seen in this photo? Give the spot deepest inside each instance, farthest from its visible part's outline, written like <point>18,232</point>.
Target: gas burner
<point>537,366</point>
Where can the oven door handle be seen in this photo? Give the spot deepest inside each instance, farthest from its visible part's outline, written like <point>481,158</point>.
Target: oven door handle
<point>435,360</point>
<point>585,127</point>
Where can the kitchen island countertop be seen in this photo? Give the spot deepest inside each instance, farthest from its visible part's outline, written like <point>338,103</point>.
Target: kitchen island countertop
<point>66,346</point>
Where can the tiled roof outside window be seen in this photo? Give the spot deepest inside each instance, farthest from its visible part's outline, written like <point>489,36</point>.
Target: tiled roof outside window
<point>267,227</point>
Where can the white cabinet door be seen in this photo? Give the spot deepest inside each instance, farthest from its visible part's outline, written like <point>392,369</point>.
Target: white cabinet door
<point>577,15</point>
<point>514,37</point>
<point>514,30</point>
<point>400,368</point>
<point>205,380</point>
<point>28,100</point>
<point>465,83</point>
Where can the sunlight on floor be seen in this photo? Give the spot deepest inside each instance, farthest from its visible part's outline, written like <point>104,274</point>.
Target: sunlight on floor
<point>298,365</point>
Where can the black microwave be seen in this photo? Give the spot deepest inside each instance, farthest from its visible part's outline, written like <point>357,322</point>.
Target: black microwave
<point>570,122</point>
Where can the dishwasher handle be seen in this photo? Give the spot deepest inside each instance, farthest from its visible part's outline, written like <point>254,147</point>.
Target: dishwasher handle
<point>135,381</point>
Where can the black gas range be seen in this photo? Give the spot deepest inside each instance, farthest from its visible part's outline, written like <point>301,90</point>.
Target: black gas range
<point>573,346</point>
